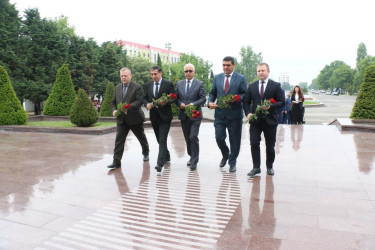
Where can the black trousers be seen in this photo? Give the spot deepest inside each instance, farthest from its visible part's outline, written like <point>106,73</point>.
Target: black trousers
<point>161,130</point>
<point>191,130</point>
<point>122,133</point>
<point>255,138</point>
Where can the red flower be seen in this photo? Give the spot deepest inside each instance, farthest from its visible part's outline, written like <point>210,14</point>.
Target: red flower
<point>195,111</point>
<point>199,114</point>
<point>272,100</point>
<point>194,116</point>
<point>237,97</point>
<point>173,96</point>
<point>126,106</point>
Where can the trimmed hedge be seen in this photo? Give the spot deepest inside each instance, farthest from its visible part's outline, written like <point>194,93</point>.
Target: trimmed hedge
<point>11,110</point>
<point>62,96</point>
<point>106,109</point>
<point>83,112</point>
<point>364,106</point>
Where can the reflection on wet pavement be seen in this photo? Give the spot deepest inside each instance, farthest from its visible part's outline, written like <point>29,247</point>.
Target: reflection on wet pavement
<point>56,192</point>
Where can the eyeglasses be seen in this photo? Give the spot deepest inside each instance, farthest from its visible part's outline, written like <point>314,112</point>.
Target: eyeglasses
<point>189,71</point>
<point>227,65</point>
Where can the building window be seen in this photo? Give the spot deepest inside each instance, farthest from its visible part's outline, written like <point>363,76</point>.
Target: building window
<point>155,60</point>
<point>139,53</point>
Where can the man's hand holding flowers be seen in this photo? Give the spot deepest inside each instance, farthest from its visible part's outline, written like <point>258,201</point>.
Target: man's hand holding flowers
<point>261,110</point>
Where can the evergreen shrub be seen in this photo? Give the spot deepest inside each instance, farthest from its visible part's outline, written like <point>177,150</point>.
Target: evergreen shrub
<point>62,96</point>
<point>83,112</point>
<point>364,106</point>
<point>11,110</point>
<point>106,109</point>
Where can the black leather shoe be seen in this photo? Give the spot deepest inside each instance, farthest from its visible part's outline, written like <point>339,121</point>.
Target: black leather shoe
<point>114,165</point>
<point>253,172</point>
<point>146,158</point>
<point>189,162</point>
<point>270,171</point>
<point>223,162</point>
<point>193,166</point>
<point>232,168</point>
<point>158,168</point>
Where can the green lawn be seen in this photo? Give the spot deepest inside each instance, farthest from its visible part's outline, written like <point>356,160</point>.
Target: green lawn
<point>66,124</point>
<point>310,102</point>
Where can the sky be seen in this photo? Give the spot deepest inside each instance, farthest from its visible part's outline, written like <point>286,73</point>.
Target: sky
<point>297,37</point>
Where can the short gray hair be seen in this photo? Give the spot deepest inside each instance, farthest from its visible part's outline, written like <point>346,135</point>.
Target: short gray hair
<point>189,64</point>
<point>125,69</point>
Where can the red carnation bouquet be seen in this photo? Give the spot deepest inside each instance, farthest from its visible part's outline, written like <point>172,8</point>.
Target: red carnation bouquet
<point>191,111</point>
<point>224,101</point>
<point>259,111</point>
<point>122,108</point>
<point>164,98</point>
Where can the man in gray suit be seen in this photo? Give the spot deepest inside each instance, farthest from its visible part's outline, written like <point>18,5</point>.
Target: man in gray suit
<point>226,83</point>
<point>190,92</point>
<point>131,93</point>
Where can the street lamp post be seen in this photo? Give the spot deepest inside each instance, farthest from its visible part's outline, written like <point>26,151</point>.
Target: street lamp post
<point>168,46</point>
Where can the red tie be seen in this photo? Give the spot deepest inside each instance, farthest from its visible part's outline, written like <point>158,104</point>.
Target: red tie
<point>226,87</point>
<point>262,90</point>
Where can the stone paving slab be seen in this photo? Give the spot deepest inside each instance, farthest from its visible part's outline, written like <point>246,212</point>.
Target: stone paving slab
<point>56,192</point>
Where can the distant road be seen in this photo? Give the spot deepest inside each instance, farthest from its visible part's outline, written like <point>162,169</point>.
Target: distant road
<point>335,107</point>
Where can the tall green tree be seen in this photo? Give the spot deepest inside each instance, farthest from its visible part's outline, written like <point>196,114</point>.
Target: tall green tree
<point>11,110</point>
<point>159,62</point>
<point>84,63</point>
<point>326,73</point>
<point>361,54</point>
<point>314,84</point>
<point>46,49</point>
<point>364,106</point>
<point>248,64</point>
<point>342,77</point>
<point>140,68</point>
<point>11,52</point>
<point>360,73</point>
<point>62,96</point>
<point>111,59</point>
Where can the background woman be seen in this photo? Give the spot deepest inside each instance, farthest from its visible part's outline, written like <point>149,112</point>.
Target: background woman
<point>297,105</point>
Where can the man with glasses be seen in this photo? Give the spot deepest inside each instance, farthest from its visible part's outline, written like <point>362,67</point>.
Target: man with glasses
<point>160,116</point>
<point>190,92</point>
<point>228,83</point>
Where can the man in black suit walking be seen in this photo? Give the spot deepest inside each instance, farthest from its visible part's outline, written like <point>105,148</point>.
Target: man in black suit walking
<point>259,91</point>
<point>131,93</point>
<point>161,115</point>
<point>190,92</point>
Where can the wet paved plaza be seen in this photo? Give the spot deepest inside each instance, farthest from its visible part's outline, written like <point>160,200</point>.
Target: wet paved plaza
<point>56,193</point>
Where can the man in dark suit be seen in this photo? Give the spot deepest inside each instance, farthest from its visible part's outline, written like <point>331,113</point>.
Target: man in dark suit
<point>190,92</point>
<point>258,91</point>
<point>131,93</point>
<point>226,83</point>
<point>161,115</point>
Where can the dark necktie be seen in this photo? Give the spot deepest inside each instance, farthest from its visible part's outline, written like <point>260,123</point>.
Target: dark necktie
<point>188,87</point>
<point>262,90</point>
<point>156,89</point>
<point>226,87</point>
<point>124,90</point>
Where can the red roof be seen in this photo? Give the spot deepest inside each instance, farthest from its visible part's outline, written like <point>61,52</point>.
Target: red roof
<point>148,46</point>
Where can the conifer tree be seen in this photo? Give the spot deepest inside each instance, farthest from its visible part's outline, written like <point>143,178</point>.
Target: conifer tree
<point>106,109</point>
<point>11,110</point>
<point>364,106</point>
<point>83,112</point>
<point>62,96</point>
